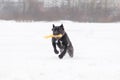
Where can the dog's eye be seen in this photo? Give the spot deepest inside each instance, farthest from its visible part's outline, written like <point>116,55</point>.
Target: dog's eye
<point>60,29</point>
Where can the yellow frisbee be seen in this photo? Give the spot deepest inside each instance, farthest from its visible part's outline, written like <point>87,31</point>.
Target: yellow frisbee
<point>55,36</point>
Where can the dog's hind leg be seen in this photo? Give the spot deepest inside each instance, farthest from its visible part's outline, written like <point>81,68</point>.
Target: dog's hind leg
<point>63,52</point>
<point>70,51</point>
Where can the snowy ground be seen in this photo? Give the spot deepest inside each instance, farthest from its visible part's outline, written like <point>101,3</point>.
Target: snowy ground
<point>26,55</point>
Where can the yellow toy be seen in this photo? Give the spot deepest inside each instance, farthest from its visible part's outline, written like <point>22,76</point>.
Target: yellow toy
<point>54,36</point>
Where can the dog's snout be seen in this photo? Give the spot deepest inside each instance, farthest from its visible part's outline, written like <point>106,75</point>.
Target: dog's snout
<point>55,32</point>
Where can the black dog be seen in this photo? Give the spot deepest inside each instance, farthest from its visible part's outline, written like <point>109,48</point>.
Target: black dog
<point>63,43</point>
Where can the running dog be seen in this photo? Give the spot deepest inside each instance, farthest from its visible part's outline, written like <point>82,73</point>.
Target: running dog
<point>63,43</point>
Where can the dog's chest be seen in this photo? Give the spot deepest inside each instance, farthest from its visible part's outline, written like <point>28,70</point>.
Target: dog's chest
<point>58,41</point>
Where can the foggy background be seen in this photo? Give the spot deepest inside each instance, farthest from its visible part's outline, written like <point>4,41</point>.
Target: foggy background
<point>51,10</point>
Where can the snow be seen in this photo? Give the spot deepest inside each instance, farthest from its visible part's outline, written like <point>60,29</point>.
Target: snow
<point>26,55</point>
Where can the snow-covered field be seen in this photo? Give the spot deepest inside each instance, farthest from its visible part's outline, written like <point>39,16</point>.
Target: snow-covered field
<point>26,55</point>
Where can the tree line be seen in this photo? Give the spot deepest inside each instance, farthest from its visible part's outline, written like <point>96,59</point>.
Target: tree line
<point>75,10</point>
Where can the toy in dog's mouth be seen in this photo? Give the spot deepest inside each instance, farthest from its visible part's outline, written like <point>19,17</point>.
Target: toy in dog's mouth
<point>54,36</point>
<point>57,36</point>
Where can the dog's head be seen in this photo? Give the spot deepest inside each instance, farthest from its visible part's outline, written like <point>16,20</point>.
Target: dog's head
<point>58,30</point>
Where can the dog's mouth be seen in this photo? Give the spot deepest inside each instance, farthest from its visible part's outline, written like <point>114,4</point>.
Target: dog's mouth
<point>57,36</point>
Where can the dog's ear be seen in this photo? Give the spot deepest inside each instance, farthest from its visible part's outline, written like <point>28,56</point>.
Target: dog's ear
<point>62,26</point>
<point>53,25</point>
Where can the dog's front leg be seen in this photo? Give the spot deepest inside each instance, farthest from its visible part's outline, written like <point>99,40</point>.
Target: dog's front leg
<point>54,47</point>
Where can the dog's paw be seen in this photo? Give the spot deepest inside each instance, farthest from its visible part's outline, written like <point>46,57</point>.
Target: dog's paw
<point>56,52</point>
<point>60,56</point>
